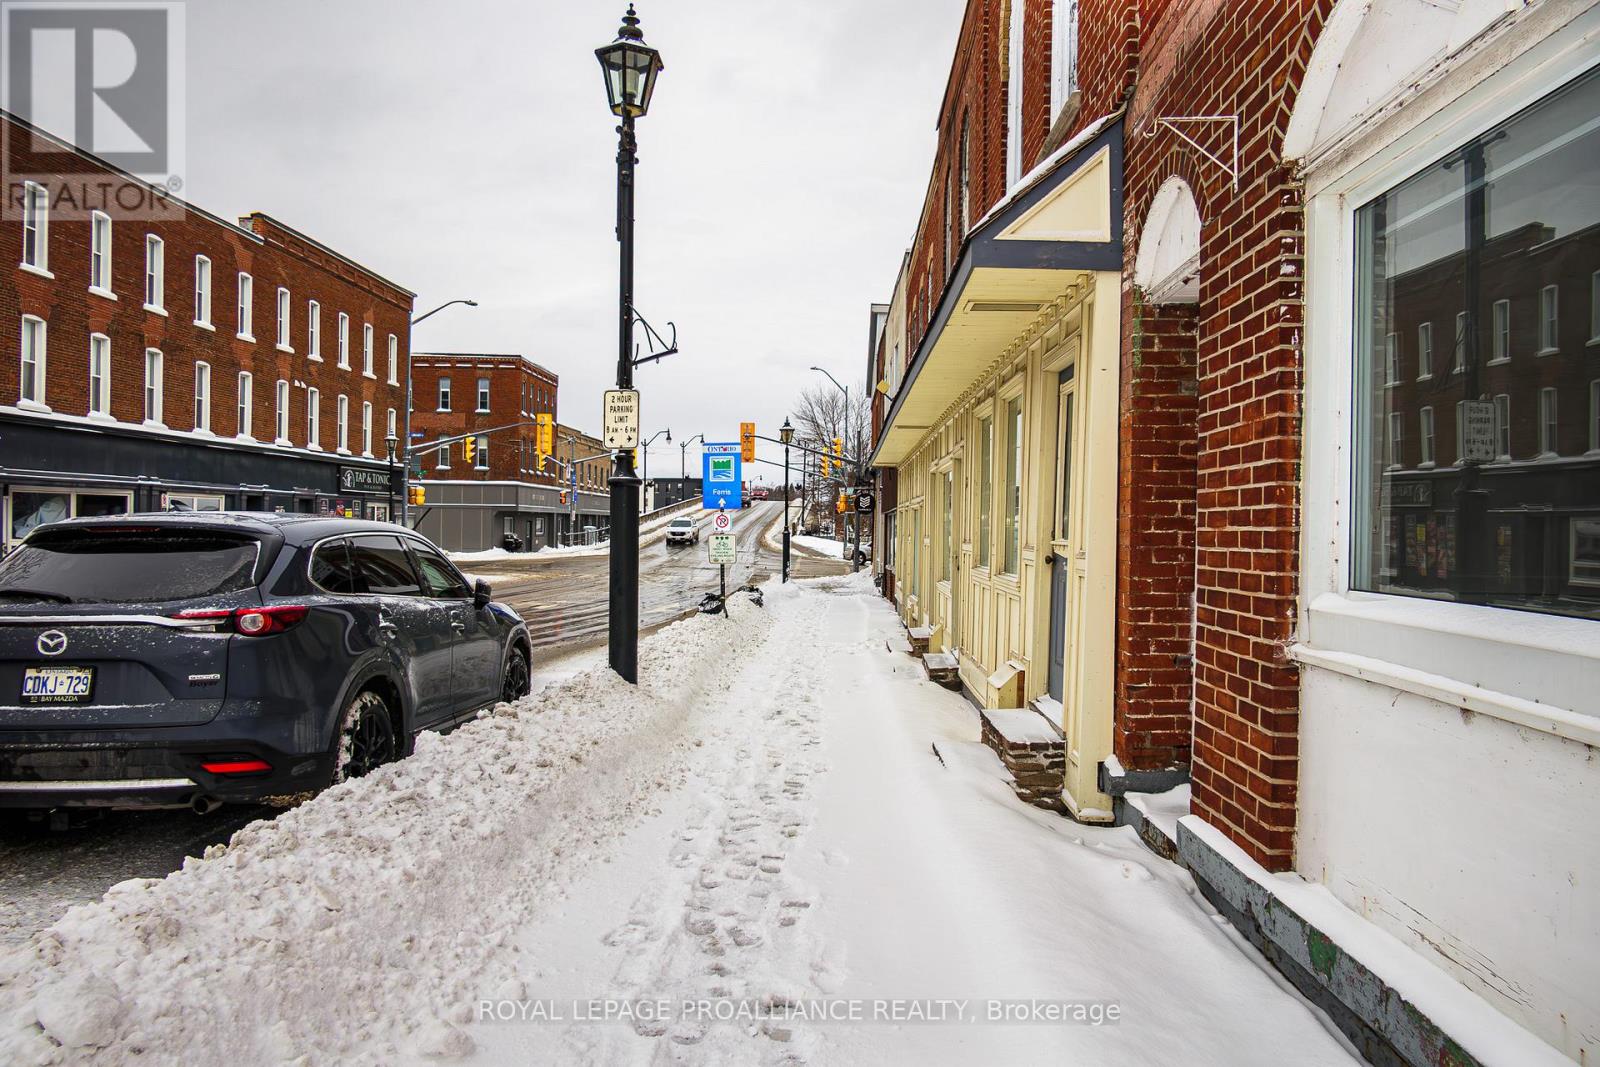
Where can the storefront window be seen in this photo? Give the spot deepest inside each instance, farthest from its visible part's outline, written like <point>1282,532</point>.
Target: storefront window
<point>985,486</point>
<point>32,508</point>
<point>948,555</point>
<point>1496,499</point>
<point>1013,531</point>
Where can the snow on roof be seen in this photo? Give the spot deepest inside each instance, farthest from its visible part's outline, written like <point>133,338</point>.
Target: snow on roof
<point>1048,165</point>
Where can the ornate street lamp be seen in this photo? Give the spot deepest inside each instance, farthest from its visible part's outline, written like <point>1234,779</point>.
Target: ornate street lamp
<point>786,435</point>
<point>391,446</point>
<point>630,67</point>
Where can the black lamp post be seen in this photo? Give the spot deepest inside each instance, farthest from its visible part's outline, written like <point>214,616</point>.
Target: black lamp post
<point>630,68</point>
<point>683,455</point>
<point>391,445</point>
<point>786,435</point>
<point>644,454</point>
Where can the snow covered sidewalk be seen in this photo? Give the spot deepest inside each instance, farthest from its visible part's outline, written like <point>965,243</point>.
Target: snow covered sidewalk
<point>760,831</point>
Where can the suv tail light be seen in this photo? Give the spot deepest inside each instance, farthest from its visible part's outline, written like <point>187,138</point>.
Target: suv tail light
<point>251,622</point>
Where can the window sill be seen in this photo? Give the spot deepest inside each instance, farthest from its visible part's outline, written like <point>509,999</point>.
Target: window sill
<point>205,326</point>
<point>244,437</point>
<point>393,381</point>
<point>285,348</point>
<point>313,358</point>
<point>313,448</point>
<point>202,431</point>
<point>245,337</point>
<point>1498,361</point>
<point>342,366</point>
<point>1592,342</point>
<point>441,411</point>
<point>342,451</point>
<point>1427,465</point>
<point>1548,352</point>
<point>101,416</point>
<point>34,405</point>
<point>40,271</point>
<point>153,424</point>
<point>1424,377</point>
<point>369,374</point>
<point>481,411</point>
<point>156,309</point>
<point>283,442</point>
<point>1526,668</point>
<point>104,294</point>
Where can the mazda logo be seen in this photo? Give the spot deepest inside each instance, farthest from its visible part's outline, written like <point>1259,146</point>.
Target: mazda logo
<point>52,643</point>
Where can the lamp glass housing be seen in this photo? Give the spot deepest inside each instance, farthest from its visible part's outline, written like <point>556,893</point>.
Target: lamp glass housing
<point>630,71</point>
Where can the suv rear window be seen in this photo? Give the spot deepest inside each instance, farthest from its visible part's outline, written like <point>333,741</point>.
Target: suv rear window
<point>127,566</point>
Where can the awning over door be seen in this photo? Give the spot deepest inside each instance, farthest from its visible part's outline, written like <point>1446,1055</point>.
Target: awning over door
<point>1062,221</point>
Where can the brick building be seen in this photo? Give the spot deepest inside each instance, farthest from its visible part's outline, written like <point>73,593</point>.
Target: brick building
<point>164,357</point>
<point>1318,538</point>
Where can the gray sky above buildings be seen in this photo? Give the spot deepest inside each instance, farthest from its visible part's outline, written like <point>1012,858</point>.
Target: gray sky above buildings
<point>464,149</point>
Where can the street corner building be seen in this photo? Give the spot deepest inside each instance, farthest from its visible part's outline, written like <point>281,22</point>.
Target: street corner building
<point>164,358</point>
<point>505,492</point>
<point>1236,426</point>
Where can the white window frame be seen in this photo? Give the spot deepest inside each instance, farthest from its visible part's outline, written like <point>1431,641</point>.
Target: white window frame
<point>155,274</point>
<point>1424,351</point>
<point>33,355</point>
<point>202,397</point>
<point>285,303</point>
<point>314,331</point>
<point>1502,427</point>
<point>1549,320</point>
<point>36,218</point>
<point>367,354</point>
<point>314,419</point>
<point>1397,440</point>
<point>1425,437</point>
<point>202,292</point>
<point>1549,423</point>
<point>245,406</point>
<point>341,425</point>
<point>394,360</point>
<point>155,387</point>
<point>1391,360</point>
<point>100,255</point>
<point>482,406</point>
<point>244,308</point>
<point>390,425</point>
<point>366,428</point>
<point>99,376</point>
<point>1500,332</point>
<point>442,458</point>
<point>1434,648</point>
<point>280,413</point>
<point>446,393</point>
<point>1064,38</point>
<point>480,458</point>
<point>344,341</point>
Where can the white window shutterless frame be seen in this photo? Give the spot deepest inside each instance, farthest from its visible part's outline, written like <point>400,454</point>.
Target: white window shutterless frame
<point>1531,669</point>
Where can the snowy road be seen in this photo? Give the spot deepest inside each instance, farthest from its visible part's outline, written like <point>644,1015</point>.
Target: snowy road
<point>43,872</point>
<point>761,826</point>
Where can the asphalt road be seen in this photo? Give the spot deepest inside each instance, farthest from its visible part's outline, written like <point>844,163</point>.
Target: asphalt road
<point>44,871</point>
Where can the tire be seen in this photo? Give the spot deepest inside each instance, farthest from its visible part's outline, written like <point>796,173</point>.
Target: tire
<point>366,738</point>
<point>516,680</point>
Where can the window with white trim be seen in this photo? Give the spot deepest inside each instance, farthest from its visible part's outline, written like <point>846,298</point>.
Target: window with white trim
<point>154,387</point>
<point>344,341</point>
<point>444,393</point>
<point>1478,222</point>
<point>244,313</point>
<point>280,413</point>
<point>366,350</point>
<point>314,331</point>
<point>1012,522</point>
<point>341,423</point>
<point>1391,348</point>
<point>1424,351</point>
<point>1549,320</point>
<point>394,360</point>
<point>155,272</point>
<point>34,341</point>
<point>314,419</point>
<point>35,227</point>
<point>1063,55</point>
<point>202,291</point>
<point>100,252</point>
<point>366,428</point>
<point>390,425</point>
<point>483,395</point>
<point>443,461</point>
<point>202,397</point>
<point>283,320</point>
<point>99,374</point>
<point>480,459</point>
<point>244,410</point>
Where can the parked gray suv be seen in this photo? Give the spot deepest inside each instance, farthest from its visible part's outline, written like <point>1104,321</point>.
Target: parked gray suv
<point>195,659</point>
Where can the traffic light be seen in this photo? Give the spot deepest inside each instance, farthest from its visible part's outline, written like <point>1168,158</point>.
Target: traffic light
<point>747,441</point>
<point>469,448</point>
<point>824,461</point>
<point>839,507</point>
<point>838,452</point>
<point>544,439</point>
<point>417,495</point>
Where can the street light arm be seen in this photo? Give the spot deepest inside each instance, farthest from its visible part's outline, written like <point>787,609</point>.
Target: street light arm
<point>836,384</point>
<point>441,307</point>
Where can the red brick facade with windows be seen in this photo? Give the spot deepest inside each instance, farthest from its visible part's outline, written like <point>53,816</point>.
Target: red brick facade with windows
<point>272,253</point>
<point>518,390</point>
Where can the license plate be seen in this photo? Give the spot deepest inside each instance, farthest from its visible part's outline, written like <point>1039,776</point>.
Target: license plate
<point>57,685</point>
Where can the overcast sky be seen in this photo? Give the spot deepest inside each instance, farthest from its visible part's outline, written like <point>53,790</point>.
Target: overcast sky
<point>464,149</point>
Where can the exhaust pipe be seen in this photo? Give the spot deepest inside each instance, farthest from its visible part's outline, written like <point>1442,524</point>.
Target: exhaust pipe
<point>204,805</point>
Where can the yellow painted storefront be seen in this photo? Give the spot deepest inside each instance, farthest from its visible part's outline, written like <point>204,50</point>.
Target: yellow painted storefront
<point>1004,437</point>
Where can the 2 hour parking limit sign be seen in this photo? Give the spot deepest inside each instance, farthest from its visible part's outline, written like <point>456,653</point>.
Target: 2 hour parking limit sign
<point>621,418</point>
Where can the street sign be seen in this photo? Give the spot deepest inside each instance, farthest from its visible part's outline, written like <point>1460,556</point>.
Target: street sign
<point>865,501</point>
<point>620,420</point>
<point>722,550</point>
<point>1477,432</point>
<point>722,521</point>
<point>747,441</point>
<point>721,477</point>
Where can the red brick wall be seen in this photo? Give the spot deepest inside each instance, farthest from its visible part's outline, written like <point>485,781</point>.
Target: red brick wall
<point>1155,535</point>
<point>1247,60</point>
<point>280,258</point>
<point>509,450</point>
